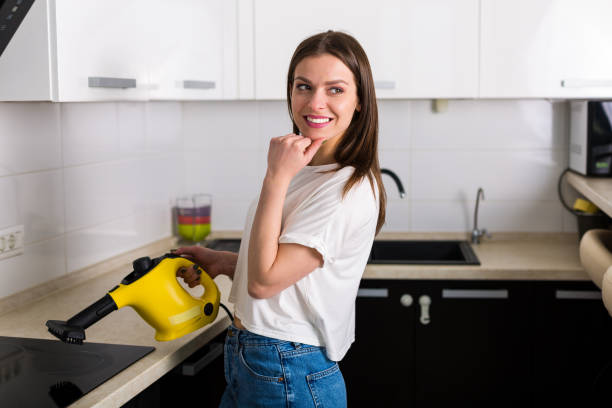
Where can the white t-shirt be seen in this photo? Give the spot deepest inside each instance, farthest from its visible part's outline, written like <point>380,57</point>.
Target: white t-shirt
<point>319,309</point>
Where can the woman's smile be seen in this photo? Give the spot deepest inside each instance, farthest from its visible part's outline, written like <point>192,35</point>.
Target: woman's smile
<point>317,121</point>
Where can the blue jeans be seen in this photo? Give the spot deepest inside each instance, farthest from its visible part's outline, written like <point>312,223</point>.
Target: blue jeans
<point>265,372</point>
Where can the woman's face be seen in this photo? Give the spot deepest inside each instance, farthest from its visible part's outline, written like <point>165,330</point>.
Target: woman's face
<point>323,98</point>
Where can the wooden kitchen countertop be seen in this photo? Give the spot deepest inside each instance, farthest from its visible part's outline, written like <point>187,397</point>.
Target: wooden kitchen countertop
<point>520,256</point>
<point>596,189</point>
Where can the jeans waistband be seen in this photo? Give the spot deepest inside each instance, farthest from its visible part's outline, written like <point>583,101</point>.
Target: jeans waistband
<point>244,337</point>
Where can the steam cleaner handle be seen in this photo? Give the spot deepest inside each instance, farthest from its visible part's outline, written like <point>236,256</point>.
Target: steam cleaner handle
<point>211,291</point>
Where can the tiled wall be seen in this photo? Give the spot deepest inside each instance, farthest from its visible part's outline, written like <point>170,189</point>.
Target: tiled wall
<point>93,180</point>
<point>88,181</point>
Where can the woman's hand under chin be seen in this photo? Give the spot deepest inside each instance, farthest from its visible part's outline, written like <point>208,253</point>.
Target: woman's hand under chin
<point>289,154</point>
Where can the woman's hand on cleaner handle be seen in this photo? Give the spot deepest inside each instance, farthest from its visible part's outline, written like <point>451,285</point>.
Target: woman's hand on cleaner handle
<point>213,262</point>
<point>191,276</point>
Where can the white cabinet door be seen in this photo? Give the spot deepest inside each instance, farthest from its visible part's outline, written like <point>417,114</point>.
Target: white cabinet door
<point>102,51</point>
<point>546,48</point>
<point>417,48</point>
<point>195,50</point>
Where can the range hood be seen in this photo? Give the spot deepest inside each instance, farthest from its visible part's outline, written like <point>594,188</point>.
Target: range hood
<point>12,13</point>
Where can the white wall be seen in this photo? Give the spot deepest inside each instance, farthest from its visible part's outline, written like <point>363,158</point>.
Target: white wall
<point>93,180</point>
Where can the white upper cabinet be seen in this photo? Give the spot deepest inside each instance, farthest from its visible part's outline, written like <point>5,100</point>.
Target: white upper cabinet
<point>546,48</point>
<point>103,50</point>
<point>195,52</point>
<point>417,49</point>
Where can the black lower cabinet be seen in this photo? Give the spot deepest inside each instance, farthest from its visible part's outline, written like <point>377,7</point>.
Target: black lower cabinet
<point>572,341</point>
<point>198,381</point>
<point>479,344</point>
<point>379,367</point>
<point>473,351</point>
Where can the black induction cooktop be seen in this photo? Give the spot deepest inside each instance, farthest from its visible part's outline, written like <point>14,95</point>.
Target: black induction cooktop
<point>49,373</point>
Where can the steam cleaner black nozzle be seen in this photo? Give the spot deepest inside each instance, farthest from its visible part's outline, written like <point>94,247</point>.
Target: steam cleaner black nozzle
<point>73,330</point>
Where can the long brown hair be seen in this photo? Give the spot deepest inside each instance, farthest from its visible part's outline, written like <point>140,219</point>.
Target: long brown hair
<point>358,147</point>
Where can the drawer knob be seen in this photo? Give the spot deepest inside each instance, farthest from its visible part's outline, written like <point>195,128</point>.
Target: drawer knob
<point>406,300</point>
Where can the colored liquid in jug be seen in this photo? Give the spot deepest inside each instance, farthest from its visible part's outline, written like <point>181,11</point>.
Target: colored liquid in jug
<point>194,223</point>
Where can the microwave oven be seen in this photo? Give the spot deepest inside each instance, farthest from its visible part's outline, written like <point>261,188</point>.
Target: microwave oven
<point>590,150</point>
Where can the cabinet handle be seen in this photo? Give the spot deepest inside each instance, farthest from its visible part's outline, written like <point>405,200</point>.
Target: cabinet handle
<point>425,301</point>
<point>373,293</point>
<point>578,294</point>
<point>585,83</point>
<point>384,84</point>
<point>193,368</point>
<point>475,294</point>
<point>190,84</point>
<point>103,82</point>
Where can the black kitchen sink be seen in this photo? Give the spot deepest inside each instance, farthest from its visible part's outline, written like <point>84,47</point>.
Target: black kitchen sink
<point>405,252</point>
<point>426,252</point>
<point>225,244</point>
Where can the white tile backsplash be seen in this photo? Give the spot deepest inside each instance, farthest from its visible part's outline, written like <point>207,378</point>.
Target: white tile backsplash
<point>441,216</point>
<point>233,173</point>
<point>510,216</point>
<point>30,137</point>
<point>40,204</point>
<point>97,243</point>
<point>229,213</point>
<point>394,124</point>
<point>397,161</point>
<point>131,128</point>
<point>532,216</point>
<point>213,126</point>
<point>398,215</point>
<point>164,127</point>
<point>93,180</point>
<point>89,132</point>
<point>492,124</point>
<point>9,201</point>
<point>163,180</point>
<point>504,175</point>
<point>96,193</point>
<point>39,263</point>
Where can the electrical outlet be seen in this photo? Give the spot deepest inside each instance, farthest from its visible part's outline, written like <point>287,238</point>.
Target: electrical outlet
<point>11,241</point>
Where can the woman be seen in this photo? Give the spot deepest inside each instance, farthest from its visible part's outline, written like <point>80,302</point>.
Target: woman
<point>307,237</point>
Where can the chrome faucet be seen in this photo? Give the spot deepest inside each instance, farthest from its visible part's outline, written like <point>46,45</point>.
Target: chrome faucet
<point>395,178</point>
<point>477,233</point>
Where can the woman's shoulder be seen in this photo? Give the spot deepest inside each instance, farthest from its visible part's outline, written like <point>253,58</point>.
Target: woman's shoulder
<point>327,176</point>
<point>360,195</point>
<point>331,181</point>
<point>364,189</point>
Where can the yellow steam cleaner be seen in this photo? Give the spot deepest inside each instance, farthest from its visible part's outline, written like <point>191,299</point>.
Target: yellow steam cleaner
<point>154,292</point>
